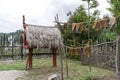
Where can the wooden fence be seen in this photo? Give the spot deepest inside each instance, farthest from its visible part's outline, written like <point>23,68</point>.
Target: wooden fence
<point>103,55</point>
<point>11,47</point>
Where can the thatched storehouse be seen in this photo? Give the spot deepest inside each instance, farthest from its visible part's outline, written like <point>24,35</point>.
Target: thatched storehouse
<point>42,37</point>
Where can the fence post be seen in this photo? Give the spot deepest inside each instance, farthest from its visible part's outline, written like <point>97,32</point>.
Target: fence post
<point>1,46</point>
<point>21,41</point>
<point>118,57</point>
<point>12,46</point>
<point>4,46</point>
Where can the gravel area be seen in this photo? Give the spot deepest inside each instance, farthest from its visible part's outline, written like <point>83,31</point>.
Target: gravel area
<point>11,74</point>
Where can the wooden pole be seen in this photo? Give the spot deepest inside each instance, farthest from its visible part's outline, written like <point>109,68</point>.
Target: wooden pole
<point>12,47</point>
<point>54,57</point>
<point>30,58</point>
<point>61,60</point>
<point>118,57</point>
<point>65,54</point>
<point>21,41</point>
<point>24,39</point>
<point>60,49</point>
<point>4,46</point>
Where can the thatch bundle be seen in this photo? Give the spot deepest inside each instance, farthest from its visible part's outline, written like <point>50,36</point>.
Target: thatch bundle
<point>41,37</point>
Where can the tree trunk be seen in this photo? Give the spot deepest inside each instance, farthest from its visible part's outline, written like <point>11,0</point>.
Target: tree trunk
<point>118,57</point>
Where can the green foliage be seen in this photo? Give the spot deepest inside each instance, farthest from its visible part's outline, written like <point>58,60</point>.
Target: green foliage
<point>105,16</point>
<point>110,36</point>
<point>95,15</point>
<point>93,4</point>
<point>115,7</point>
<point>15,37</point>
<point>80,15</point>
<point>118,25</point>
<point>115,10</point>
<point>76,57</point>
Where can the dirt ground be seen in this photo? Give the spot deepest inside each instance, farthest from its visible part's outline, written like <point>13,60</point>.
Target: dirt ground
<point>11,74</point>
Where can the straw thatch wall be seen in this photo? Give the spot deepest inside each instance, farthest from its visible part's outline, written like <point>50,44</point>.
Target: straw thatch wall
<point>40,37</point>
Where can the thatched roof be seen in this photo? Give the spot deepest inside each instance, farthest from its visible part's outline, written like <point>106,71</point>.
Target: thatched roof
<point>40,36</point>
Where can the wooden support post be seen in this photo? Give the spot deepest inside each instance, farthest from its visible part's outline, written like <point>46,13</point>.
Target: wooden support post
<point>118,57</point>
<point>54,57</point>
<point>24,38</point>
<point>30,58</point>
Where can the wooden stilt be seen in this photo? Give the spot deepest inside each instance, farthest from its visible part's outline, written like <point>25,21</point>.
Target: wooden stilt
<point>54,57</point>
<point>30,58</point>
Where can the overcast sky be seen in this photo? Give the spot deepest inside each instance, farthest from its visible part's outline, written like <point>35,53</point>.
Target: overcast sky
<point>40,12</point>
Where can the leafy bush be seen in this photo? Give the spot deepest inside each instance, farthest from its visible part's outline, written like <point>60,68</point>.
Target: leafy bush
<point>77,57</point>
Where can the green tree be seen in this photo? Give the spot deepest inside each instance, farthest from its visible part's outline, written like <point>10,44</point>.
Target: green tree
<point>81,14</point>
<point>115,7</point>
<point>115,10</point>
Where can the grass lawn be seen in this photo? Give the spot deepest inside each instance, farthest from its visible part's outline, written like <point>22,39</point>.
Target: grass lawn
<point>12,65</point>
<point>42,69</point>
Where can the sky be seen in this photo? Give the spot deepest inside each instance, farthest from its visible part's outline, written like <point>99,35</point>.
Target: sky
<point>38,12</point>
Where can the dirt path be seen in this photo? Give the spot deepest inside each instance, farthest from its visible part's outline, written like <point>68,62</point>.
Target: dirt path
<point>11,74</point>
